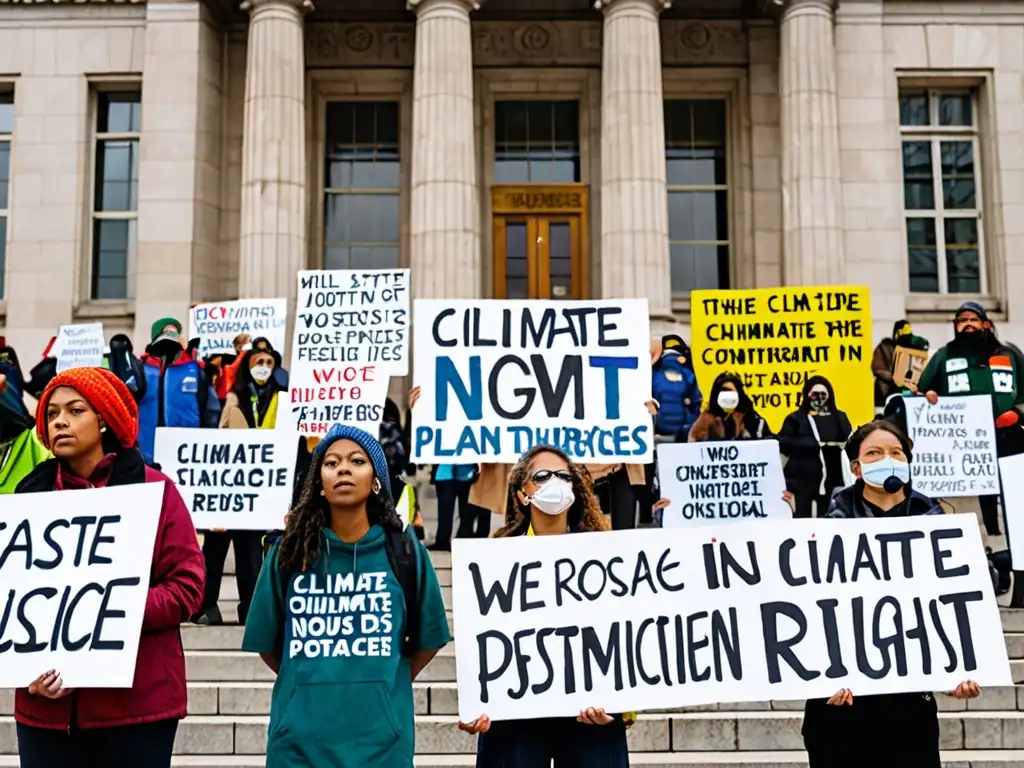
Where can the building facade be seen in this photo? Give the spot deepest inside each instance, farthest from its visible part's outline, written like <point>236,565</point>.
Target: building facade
<point>157,154</point>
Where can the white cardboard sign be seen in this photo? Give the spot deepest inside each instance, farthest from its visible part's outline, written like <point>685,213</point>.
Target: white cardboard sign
<point>217,324</point>
<point>658,619</point>
<point>954,446</point>
<point>75,568</point>
<point>79,346</point>
<point>721,482</point>
<point>498,377</point>
<point>236,479</point>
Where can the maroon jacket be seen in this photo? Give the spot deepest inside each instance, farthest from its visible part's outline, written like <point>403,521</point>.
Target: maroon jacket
<point>175,593</point>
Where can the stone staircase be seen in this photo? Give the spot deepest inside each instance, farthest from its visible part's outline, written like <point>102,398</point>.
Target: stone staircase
<point>229,708</point>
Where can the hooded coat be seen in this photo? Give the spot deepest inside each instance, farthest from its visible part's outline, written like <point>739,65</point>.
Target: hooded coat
<point>744,423</point>
<point>801,438</point>
<point>673,383</point>
<point>250,405</point>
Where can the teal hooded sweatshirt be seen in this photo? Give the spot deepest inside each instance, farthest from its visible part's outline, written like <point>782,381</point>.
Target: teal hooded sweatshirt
<point>343,696</point>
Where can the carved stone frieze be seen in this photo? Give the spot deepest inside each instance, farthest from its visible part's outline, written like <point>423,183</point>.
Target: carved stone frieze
<point>526,43</point>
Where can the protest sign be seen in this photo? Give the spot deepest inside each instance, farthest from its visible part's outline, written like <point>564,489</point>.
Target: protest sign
<point>238,479</point>
<point>908,365</point>
<point>498,377</point>
<point>776,338</point>
<point>1011,469</point>
<point>658,619</point>
<point>351,336</point>
<point>954,446</point>
<point>721,482</point>
<point>79,346</point>
<point>217,324</point>
<point>75,568</point>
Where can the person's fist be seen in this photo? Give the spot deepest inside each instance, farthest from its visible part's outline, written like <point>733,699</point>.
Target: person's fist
<point>932,397</point>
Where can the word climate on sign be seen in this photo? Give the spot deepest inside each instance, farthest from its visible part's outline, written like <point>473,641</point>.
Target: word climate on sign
<point>498,377</point>
<point>954,446</point>
<point>653,620</point>
<point>237,479</point>
<point>721,482</point>
<point>776,338</point>
<point>74,576</point>
<point>351,336</point>
<point>217,325</point>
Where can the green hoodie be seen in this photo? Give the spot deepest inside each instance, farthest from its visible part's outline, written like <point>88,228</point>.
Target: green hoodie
<point>343,696</point>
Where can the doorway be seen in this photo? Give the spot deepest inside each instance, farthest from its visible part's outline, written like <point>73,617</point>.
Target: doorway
<point>540,241</point>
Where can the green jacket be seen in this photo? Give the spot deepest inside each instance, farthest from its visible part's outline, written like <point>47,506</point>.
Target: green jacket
<point>20,456</point>
<point>953,371</point>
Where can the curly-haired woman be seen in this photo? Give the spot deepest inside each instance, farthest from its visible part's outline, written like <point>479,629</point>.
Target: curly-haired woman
<point>347,611</point>
<point>549,496</point>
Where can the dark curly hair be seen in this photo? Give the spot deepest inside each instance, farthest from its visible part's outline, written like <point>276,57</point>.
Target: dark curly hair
<point>303,533</point>
<point>585,514</point>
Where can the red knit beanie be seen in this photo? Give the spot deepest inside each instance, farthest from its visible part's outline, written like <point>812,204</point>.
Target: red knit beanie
<point>107,395</point>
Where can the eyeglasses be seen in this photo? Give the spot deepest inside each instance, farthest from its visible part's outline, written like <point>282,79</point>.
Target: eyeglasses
<point>541,476</point>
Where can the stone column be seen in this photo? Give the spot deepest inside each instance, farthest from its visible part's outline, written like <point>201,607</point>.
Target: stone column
<point>444,222</point>
<point>811,178</point>
<point>634,195</point>
<point>272,244</point>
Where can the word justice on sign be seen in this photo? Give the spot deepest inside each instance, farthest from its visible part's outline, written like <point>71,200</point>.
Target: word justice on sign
<point>750,612</point>
<point>502,376</point>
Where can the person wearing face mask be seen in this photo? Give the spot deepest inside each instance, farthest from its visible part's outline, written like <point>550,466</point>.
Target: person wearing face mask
<point>899,729</point>
<point>976,362</point>
<point>729,414</point>
<point>548,495</point>
<point>178,391</point>
<point>812,440</point>
<point>251,404</point>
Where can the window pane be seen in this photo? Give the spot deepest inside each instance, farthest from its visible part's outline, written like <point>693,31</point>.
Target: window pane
<point>536,142</point>
<point>112,244</point>
<point>560,260</point>
<point>3,253</point>
<point>119,113</point>
<point>697,267</point>
<point>117,175</point>
<point>956,109</point>
<point>336,258</point>
<point>510,122</point>
<point>5,172</point>
<point>958,190</point>
<point>922,256</point>
<point>362,149</point>
<point>963,266</point>
<point>914,108</point>
<point>697,167</point>
<point>697,216</point>
<point>6,112</point>
<point>516,276</point>
<point>918,183</point>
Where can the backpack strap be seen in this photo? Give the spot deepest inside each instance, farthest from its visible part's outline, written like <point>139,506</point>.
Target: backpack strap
<point>402,553</point>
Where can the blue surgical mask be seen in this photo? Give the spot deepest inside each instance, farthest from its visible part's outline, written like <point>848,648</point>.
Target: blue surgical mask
<point>877,473</point>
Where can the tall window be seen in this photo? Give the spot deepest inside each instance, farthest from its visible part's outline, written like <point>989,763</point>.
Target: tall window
<point>698,194</point>
<point>116,196</point>
<point>536,142</point>
<point>942,191</point>
<point>6,129</point>
<point>362,180</point>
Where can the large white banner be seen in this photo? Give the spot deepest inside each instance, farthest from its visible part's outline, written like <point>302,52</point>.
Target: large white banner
<point>954,446</point>
<point>217,324</point>
<point>351,336</point>
<point>721,482</point>
<point>498,377</point>
<point>236,479</point>
<point>75,568</point>
<point>657,619</point>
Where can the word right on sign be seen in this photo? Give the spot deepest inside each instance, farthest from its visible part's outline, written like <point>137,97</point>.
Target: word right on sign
<point>954,446</point>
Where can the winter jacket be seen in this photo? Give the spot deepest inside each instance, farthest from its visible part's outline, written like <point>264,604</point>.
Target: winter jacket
<point>955,370</point>
<point>23,456</point>
<point>177,395</point>
<point>735,426</point>
<point>881,367</point>
<point>175,593</point>
<point>672,384</point>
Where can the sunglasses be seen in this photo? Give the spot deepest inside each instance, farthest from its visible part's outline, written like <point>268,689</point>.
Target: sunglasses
<point>541,476</point>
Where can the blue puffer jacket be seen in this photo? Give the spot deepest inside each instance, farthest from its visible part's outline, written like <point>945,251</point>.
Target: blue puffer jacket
<point>673,383</point>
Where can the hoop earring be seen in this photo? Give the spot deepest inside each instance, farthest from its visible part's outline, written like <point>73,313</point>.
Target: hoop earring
<point>376,486</point>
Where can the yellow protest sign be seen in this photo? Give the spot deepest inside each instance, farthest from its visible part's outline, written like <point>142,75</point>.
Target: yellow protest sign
<point>776,338</point>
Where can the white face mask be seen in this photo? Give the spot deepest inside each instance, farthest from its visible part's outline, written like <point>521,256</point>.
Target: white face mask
<point>260,374</point>
<point>878,472</point>
<point>728,400</point>
<point>554,497</point>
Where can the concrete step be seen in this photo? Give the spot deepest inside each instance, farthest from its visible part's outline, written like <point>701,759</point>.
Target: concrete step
<point>237,666</point>
<point>735,732</point>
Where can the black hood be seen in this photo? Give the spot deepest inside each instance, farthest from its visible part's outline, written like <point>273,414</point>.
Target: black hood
<point>745,405</point>
<point>811,382</point>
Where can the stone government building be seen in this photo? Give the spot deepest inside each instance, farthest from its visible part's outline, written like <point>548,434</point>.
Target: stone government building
<point>156,154</point>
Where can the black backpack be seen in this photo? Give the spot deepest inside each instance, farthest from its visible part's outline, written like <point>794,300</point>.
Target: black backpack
<point>402,553</point>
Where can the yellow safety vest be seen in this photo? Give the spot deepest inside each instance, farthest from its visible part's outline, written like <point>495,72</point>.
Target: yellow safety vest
<point>406,506</point>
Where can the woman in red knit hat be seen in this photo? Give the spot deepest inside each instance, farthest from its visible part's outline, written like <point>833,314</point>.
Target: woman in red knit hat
<point>88,419</point>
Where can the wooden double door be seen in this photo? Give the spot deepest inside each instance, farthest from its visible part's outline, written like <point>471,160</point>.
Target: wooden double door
<point>540,241</point>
